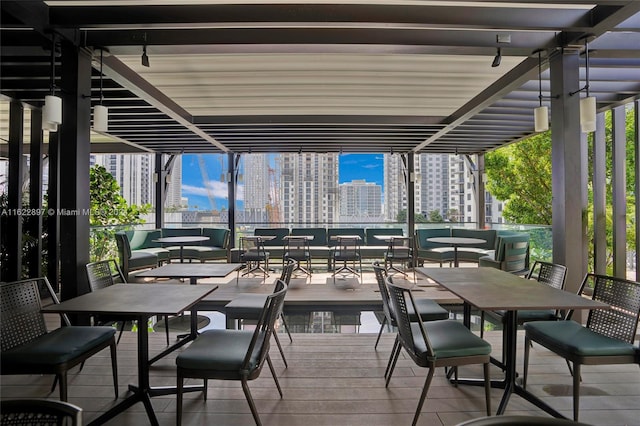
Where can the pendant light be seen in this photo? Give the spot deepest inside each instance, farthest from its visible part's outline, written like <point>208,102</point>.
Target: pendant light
<point>52,109</point>
<point>541,113</point>
<point>101,112</point>
<point>588,103</point>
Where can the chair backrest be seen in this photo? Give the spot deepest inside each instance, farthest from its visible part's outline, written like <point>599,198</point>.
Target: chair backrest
<point>400,248</point>
<point>20,320</point>
<point>621,321</point>
<point>287,271</point>
<point>348,247</point>
<point>103,273</point>
<point>552,274</point>
<point>297,247</point>
<point>401,297</point>
<point>513,252</point>
<point>39,412</point>
<point>259,346</point>
<point>381,276</point>
<point>253,244</point>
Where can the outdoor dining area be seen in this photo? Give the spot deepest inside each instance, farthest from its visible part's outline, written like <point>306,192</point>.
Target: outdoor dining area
<point>374,374</point>
<point>306,313</point>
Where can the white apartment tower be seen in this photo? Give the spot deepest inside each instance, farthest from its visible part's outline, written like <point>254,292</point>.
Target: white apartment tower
<point>257,173</point>
<point>395,188</point>
<point>432,183</point>
<point>360,202</point>
<point>134,175</point>
<point>309,188</point>
<point>173,196</point>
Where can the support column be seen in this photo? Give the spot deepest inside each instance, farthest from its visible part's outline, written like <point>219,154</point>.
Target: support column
<point>12,235</point>
<point>35,194</point>
<point>74,170</point>
<point>569,204</point>
<point>53,220</point>
<point>481,202</point>
<point>619,186</point>
<point>233,164</point>
<point>161,176</point>
<point>636,127</point>
<point>409,160</point>
<point>599,185</point>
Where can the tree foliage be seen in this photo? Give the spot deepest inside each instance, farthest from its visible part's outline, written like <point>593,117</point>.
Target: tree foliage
<point>520,175</point>
<point>108,208</point>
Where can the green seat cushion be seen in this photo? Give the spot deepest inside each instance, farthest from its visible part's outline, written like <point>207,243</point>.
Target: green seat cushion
<point>161,253</point>
<point>449,339</point>
<point>428,310</point>
<point>60,346</point>
<point>571,337</point>
<point>222,350</point>
<point>246,306</point>
<point>142,259</point>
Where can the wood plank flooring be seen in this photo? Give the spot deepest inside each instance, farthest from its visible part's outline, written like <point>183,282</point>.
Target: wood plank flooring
<point>337,379</point>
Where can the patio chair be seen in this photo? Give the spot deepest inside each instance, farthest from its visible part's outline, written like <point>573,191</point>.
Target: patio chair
<point>105,273</point>
<point>254,255</point>
<point>248,306</point>
<point>297,248</point>
<point>433,344</point>
<point>607,338</point>
<point>232,354</point>
<point>39,412</point>
<point>399,250</point>
<point>26,347</point>
<point>346,251</point>
<point>552,274</point>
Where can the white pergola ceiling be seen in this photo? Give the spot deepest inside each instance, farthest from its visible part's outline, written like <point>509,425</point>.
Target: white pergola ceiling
<point>325,76</point>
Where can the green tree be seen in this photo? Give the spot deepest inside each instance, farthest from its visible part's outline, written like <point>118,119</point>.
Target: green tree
<point>108,208</point>
<point>520,175</point>
<point>402,217</point>
<point>435,216</point>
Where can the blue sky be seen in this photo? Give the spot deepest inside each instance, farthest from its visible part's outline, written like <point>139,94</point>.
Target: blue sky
<point>351,166</point>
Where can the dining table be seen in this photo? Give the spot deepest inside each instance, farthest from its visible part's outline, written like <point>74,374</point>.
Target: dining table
<point>181,241</point>
<point>192,271</point>
<point>140,301</point>
<point>490,289</point>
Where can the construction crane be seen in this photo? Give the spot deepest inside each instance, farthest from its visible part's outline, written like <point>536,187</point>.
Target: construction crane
<point>205,180</point>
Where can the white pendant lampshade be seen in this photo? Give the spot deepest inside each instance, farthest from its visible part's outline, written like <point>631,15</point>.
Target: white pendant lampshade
<point>100,118</point>
<point>541,118</point>
<point>51,127</point>
<point>588,114</point>
<point>52,110</point>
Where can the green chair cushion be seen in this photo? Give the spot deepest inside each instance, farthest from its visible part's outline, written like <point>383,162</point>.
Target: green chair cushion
<point>161,253</point>
<point>141,259</point>
<point>449,339</point>
<point>571,337</point>
<point>429,311</point>
<point>222,350</point>
<point>218,237</point>
<point>60,346</point>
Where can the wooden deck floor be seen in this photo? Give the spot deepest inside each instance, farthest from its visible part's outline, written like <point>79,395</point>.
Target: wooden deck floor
<point>337,379</point>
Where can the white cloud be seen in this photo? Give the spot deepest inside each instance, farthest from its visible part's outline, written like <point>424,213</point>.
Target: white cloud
<point>217,189</point>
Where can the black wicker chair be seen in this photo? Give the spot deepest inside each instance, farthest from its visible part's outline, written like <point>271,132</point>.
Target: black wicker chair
<point>607,338</point>
<point>26,347</point>
<point>248,306</point>
<point>39,412</point>
<point>232,354</point>
<point>433,344</point>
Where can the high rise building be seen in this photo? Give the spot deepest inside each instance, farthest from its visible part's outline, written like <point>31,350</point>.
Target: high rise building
<point>360,201</point>
<point>173,196</point>
<point>432,184</point>
<point>395,188</point>
<point>133,173</point>
<point>256,187</point>
<point>309,188</point>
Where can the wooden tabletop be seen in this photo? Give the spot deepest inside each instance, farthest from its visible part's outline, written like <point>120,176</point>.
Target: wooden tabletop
<point>135,299</point>
<point>494,289</point>
<point>191,270</point>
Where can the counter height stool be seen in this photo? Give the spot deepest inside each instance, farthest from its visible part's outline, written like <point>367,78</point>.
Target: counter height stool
<point>254,255</point>
<point>347,251</point>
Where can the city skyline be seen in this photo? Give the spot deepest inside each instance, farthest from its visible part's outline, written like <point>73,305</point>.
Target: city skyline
<point>368,167</point>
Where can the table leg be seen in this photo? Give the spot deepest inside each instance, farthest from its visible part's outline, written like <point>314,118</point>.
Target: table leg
<point>455,255</point>
<point>181,255</point>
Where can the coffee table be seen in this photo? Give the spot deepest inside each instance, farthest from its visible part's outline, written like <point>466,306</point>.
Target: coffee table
<point>493,289</point>
<point>143,302</point>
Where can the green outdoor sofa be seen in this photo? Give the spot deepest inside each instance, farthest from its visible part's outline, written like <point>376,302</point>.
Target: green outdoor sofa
<point>139,250</point>
<point>427,251</point>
